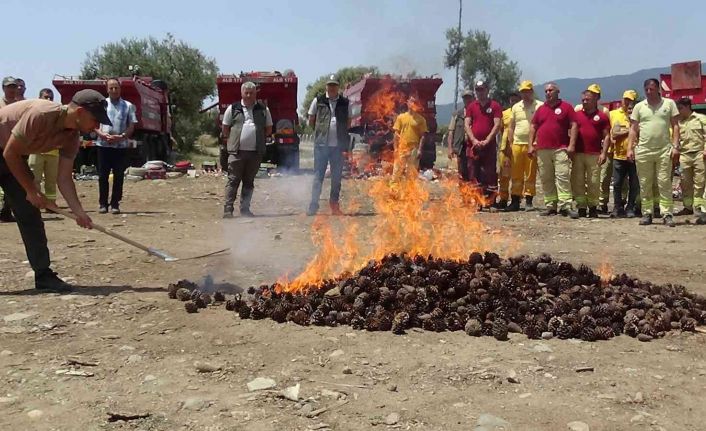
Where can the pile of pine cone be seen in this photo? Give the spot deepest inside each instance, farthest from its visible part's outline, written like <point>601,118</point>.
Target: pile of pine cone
<point>485,295</point>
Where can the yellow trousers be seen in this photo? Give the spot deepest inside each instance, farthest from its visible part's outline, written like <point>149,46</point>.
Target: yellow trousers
<point>524,172</point>
<point>585,180</point>
<point>504,176</point>
<point>693,180</point>
<point>555,173</point>
<point>47,166</point>
<point>655,167</point>
<point>606,177</point>
<point>406,164</point>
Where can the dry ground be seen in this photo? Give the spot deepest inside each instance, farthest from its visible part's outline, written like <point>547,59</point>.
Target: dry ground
<point>143,346</point>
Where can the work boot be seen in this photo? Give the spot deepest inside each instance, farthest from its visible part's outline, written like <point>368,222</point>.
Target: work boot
<point>514,204</point>
<point>582,212</point>
<point>603,209</point>
<point>48,281</point>
<point>684,211</point>
<point>335,209</point>
<point>548,212</point>
<point>592,212</point>
<point>528,204</point>
<point>669,220</point>
<point>227,212</point>
<point>701,219</point>
<point>570,213</point>
<point>646,220</point>
<point>501,204</point>
<point>6,215</point>
<point>103,209</point>
<point>245,212</point>
<point>656,213</point>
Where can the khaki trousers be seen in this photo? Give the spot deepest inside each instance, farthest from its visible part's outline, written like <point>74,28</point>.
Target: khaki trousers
<point>555,174</point>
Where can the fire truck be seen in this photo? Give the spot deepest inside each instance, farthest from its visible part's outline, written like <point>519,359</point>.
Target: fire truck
<point>152,137</point>
<point>278,91</point>
<point>685,80</point>
<point>376,102</point>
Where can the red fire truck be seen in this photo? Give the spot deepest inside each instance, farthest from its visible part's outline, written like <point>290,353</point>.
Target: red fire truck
<point>376,102</point>
<point>685,80</point>
<point>152,135</point>
<point>278,91</point>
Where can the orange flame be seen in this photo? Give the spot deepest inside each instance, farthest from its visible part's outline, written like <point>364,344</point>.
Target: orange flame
<point>606,271</point>
<point>412,216</point>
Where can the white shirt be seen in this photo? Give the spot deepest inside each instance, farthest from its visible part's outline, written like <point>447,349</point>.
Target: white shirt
<point>248,136</point>
<point>332,140</point>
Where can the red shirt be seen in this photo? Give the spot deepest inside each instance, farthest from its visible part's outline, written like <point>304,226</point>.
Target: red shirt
<point>591,128</point>
<point>482,117</point>
<point>553,124</point>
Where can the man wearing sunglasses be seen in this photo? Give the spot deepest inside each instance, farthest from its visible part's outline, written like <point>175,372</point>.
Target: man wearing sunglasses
<point>34,127</point>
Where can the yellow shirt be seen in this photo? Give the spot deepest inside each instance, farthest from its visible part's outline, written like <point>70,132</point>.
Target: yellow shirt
<point>411,127</point>
<point>692,133</point>
<point>655,124</point>
<point>619,119</point>
<point>523,117</point>
<point>507,116</point>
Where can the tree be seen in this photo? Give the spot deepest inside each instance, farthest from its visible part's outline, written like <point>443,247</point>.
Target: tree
<point>190,76</point>
<point>478,60</point>
<point>346,75</point>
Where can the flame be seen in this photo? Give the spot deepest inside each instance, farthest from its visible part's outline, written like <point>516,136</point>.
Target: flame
<point>606,271</point>
<point>412,216</point>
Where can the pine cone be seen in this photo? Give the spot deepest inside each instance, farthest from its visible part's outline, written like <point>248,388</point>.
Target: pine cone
<point>206,298</point>
<point>195,294</point>
<point>231,305</point>
<point>564,331</point>
<point>688,324</point>
<point>400,322</point>
<point>487,328</point>
<point>500,329</point>
<point>588,333</point>
<point>199,301</point>
<point>473,328</point>
<point>317,318</point>
<point>357,321</point>
<point>172,290</point>
<point>604,333</point>
<point>191,307</point>
<point>554,324</point>
<point>219,296</point>
<point>183,294</point>
<point>244,311</point>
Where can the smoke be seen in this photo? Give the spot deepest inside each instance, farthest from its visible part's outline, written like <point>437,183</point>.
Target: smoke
<point>264,247</point>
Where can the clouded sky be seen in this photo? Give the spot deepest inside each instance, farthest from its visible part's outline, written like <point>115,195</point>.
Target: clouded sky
<point>550,39</point>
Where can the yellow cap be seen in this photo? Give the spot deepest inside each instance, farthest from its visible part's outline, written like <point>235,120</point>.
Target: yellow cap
<point>594,88</point>
<point>630,94</point>
<point>526,85</point>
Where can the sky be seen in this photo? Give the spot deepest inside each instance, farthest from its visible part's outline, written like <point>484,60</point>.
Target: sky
<point>550,39</point>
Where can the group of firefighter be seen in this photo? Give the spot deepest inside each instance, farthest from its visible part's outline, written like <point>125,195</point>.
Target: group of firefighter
<point>580,151</point>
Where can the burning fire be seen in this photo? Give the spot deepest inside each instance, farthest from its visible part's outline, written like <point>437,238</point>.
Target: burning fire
<point>605,271</point>
<point>412,216</point>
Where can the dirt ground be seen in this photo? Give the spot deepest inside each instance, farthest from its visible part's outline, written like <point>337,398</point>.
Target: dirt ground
<point>138,350</point>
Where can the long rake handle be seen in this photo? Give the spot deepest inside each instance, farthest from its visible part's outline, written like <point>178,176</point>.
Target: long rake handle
<point>106,231</point>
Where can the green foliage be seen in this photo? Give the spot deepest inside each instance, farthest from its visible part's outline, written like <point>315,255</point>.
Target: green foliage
<point>346,75</point>
<point>190,76</point>
<point>478,60</point>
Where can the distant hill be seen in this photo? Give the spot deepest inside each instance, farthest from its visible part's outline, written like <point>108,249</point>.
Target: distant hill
<point>571,88</point>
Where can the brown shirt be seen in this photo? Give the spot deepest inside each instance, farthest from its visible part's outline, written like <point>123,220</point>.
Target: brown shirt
<point>4,102</point>
<point>39,125</point>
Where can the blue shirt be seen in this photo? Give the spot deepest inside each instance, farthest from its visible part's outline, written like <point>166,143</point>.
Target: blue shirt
<point>121,114</point>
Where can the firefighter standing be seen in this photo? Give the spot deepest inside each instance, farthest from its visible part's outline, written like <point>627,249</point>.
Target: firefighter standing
<point>692,134</point>
<point>523,172</point>
<point>652,150</point>
<point>246,124</point>
<point>10,91</point>
<point>329,115</point>
<point>606,170</point>
<point>591,152</point>
<point>482,123</point>
<point>505,155</point>
<point>622,167</point>
<point>410,128</point>
<point>457,136</point>
<point>552,139</point>
<point>45,166</point>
